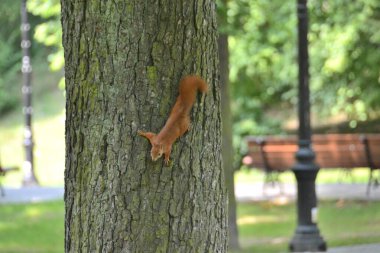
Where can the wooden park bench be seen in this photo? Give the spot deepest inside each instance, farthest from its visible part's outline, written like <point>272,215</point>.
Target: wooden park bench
<point>344,151</point>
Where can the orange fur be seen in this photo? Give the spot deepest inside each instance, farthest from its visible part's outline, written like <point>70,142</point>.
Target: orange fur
<point>179,120</point>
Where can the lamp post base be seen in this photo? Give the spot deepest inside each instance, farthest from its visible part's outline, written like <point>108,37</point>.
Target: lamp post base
<point>29,178</point>
<point>307,239</point>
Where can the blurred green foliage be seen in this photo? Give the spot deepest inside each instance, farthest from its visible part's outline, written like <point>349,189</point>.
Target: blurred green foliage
<point>49,32</point>
<point>262,63</point>
<point>344,39</point>
<point>45,28</point>
<point>344,60</point>
<point>345,66</point>
<point>10,54</point>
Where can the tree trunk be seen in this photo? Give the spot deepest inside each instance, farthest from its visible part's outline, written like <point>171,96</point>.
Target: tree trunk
<point>124,60</point>
<point>227,147</point>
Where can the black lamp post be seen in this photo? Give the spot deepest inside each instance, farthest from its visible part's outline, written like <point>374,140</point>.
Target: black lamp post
<point>307,236</point>
<point>26,69</point>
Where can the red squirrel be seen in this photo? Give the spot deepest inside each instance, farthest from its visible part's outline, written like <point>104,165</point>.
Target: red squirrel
<point>179,120</point>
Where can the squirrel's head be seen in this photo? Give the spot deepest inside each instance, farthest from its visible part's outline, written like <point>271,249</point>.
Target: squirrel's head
<point>157,151</point>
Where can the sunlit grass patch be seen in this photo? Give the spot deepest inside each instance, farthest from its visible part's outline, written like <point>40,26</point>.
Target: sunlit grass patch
<point>268,227</point>
<point>32,227</point>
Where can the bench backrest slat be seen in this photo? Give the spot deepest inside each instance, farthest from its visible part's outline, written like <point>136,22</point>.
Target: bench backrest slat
<point>332,151</point>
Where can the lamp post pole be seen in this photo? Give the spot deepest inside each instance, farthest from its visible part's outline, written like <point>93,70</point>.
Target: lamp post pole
<point>307,236</point>
<point>26,69</point>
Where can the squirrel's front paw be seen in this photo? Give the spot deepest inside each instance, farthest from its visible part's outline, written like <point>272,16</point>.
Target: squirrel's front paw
<point>167,162</point>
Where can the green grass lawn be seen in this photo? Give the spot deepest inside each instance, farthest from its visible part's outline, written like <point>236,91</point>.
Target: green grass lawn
<point>266,227</point>
<point>32,228</point>
<point>263,227</point>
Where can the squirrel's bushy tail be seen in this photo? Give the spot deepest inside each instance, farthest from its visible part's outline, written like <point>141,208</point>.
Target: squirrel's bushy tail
<point>188,89</point>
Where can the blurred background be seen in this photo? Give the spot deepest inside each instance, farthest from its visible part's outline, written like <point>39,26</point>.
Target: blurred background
<point>344,53</point>
<point>344,67</point>
<point>47,86</point>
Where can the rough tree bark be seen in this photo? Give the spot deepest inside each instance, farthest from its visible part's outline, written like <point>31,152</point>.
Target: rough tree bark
<point>124,60</point>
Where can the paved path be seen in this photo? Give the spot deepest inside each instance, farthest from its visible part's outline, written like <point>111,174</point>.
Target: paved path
<point>31,194</point>
<point>255,192</point>
<point>244,192</point>
<point>366,248</point>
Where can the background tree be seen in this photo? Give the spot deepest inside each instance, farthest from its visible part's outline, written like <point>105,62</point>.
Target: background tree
<point>44,20</point>
<point>344,66</point>
<point>346,72</point>
<point>123,62</point>
<point>11,54</point>
<point>49,32</point>
<point>227,147</point>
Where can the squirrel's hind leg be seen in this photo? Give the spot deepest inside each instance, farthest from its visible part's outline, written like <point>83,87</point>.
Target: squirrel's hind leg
<point>167,152</point>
